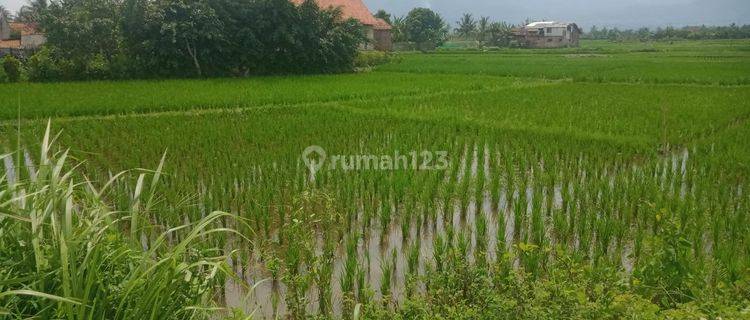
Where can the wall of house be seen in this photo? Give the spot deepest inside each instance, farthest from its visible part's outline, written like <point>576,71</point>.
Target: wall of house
<point>4,29</point>
<point>370,35</point>
<point>554,32</point>
<point>383,40</point>
<point>33,41</point>
<point>558,38</point>
<point>550,42</point>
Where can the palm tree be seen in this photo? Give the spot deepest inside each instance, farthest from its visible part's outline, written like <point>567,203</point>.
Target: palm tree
<point>4,12</point>
<point>398,29</point>
<point>466,26</point>
<point>32,11</point>
<point>483,27</point>
<point>500,34</point>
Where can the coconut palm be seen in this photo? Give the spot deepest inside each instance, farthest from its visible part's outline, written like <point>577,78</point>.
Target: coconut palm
<point>483,28</point>
<point>466,26</point>
<point>398,29</point>
<point>32,11</point>
<point>4,12</point>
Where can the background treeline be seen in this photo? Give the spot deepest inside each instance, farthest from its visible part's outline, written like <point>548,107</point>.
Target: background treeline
<point>110,39</point>
<point>732,31</point>
<point>424,28</point>
<point>484,30</point>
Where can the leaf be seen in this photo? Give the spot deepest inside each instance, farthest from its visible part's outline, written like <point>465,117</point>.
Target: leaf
<point>39,295</point>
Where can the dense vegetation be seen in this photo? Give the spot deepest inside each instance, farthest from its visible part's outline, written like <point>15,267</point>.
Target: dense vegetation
<point>732,31</point>
<point>112,39</point>
<point>68,252</point>
<point>605,182</point>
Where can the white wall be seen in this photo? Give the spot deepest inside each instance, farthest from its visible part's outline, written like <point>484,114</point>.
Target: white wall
<point>4,29</point>
<point>33,41</point>
<point>556,32</point>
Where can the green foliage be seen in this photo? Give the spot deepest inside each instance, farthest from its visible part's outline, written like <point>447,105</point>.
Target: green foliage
<point>65,252</point>
<point>43,67</point>
<point>569,290</point>
<point>33,11</point>
<point>12,68</point>
<point>467,26</point>
<point>425,27</point>
<point>83,34</point>
<point>500,34</point>
<point>382,14</point>
<point>593,62</point>
<point>703,32</point>
<point>197,38</point>
<point>3,76</point>
<point>369,59</point>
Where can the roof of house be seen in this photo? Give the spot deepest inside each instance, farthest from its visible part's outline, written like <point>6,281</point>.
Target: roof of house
<point>10,44</point>
<point>355,9</point>
<point>24,28</point>
<point>382,25</point>
<point>548,24</point>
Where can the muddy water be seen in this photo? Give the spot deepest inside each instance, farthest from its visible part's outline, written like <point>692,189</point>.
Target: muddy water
<point>266,298</point>
<point>377,244</point>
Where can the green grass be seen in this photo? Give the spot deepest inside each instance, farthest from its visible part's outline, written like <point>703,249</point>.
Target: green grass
<point>42,100</point>
<point>602,129</point>
<point>721,62</point>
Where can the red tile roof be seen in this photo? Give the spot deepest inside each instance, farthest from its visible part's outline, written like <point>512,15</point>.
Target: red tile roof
<point>10,44</point>
<point>382,25</point>
<point>352,9</point>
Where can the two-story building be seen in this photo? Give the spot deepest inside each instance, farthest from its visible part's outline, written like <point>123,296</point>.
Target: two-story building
<point>548,34</point>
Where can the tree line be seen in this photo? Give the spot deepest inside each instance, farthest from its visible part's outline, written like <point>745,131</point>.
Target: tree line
<point>732,31</point>
<point>410,28</point>
<point>484,30</point>
<point>421,26</point>
<point>110,39</point>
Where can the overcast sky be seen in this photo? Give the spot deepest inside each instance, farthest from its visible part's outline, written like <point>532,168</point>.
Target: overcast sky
<point>613,13</point>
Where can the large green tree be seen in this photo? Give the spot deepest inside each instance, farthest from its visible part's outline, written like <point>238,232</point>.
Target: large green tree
<point>84,33</point>
<point>189,33</point>
<point>425,27</point>
<point>398,29</point>
<point>382,14</point>
<point>467,26</point>
<point>195,38</point>
<point>500,34</point>
<point>483,28</point>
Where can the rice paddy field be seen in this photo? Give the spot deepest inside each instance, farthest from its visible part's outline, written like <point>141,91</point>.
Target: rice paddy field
<point>632,158</point>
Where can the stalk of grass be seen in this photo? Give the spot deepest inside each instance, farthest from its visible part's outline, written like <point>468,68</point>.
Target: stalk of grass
<point>81,250</point>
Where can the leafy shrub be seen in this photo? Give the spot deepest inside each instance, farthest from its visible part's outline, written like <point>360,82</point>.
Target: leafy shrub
<point>12,68</point>
<point>78,260</point>
<point>97,68</point>
<point>42,67</point>
<point>3,76</point>
<point>369,59</point>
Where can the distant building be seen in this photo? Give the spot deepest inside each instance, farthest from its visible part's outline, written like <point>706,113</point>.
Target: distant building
<point>19,38</point>
<point>377,30</point>
<point>548,34</point>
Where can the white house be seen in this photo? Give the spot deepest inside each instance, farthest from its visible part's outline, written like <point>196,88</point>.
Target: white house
<point>548,34</point>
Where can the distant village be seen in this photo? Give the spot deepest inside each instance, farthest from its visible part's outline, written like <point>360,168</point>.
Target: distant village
<point>18,38</point>
<point>386,33</point>
<point>23,38</point>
